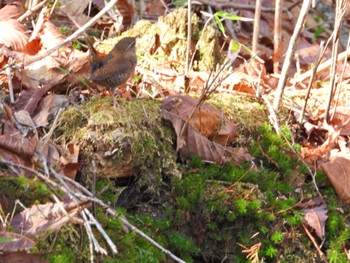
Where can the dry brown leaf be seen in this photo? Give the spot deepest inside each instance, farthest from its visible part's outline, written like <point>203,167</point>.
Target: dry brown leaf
<point>316,218</point>
<point>126,9</point>
<point>33,47</point>
<point>76,61</point>
<point>193,137</point>
<point>12,242</point>
<point>50,35</point>
<point>312,155</point>
<point>48,107</point>
<point>341,120</point>
<point>41,72</point>
<point>69,161</point>
<point>29,99</point>
<point>12,34</point>
<point>191,142</point>
<point>308,53</point>
<point>12,10</point>
<point>22,257</point>
<point>13,146</point>
<point>75,9</point>
<point>16,148</point>
<point>154,9</point>
<point>41,218</point>
<point>23,147</point>
<point>206,119</point>
<point>338,172</point>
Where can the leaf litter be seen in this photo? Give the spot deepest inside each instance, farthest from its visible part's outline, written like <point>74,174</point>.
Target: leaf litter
<point>205,131</point>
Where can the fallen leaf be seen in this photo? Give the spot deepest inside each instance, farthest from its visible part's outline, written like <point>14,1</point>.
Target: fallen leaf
<point>75,9</point>
<point>41,72</point>
<point>12,242</point>
<point>190,141</point>
<point>48,107</point>
<point>69,161</point>
<point>33,47</point>
<point>22,257</point>
<point>338,172</point>
<point>316,218</point>
<point>341,120</point>
<point>12,34</point>
<point>312,155</point>
<point>41,218</point>
<point>29,99</point>
<point>50,35</point>
<point>12,10</point>
<point>206,119</point>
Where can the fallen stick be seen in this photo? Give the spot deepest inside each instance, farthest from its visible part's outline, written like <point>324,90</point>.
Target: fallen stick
<point>323,66</point>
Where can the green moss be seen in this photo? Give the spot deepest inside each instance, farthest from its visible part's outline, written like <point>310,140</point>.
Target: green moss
<point>67,245</point>
<point>66,256</point>
<point>239,109</point>
<point>270,252</point>
<point>129,142</point>
<point>208,50</point>
<point>212,207</point>
<point>277,237</point>
<point>27,191</point>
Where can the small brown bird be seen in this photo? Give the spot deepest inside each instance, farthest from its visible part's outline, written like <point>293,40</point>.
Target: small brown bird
<point>116,67</point>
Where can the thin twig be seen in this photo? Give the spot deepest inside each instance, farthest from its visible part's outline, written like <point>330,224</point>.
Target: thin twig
<point>87,226</point>
<point>320,253</point>
<point>256,29</point>
<point>290,52</point>
<point>93,186</point>
<point>47,137</point>
<point>102,231</point>
<point>272,116</point>
<point>323,66</point>
<point>209,89</point>
<point>70,38</point>
<point>277,35</point>
<point>339,15</point>
<point>229,4</point>
<point>189,39</point>
<point>312,174</point>
<point>31,10</point>
<point>9,80</point>
<point>128,224</point>
<point>311,80</point>
<point>342,76</point>
<point>89,197</point>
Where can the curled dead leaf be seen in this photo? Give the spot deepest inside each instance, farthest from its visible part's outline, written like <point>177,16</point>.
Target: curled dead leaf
<point>40,218</point>
<point>12,242</point>
<point>312,155</point>
<point>206,119</point>
<point>338,172</point>
<point>193,136</point>
<point>12,34</point>
<point>12,9</point>
<point>315,217</point>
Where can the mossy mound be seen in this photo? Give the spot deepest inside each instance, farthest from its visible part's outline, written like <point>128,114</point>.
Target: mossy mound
<point>129,142</point>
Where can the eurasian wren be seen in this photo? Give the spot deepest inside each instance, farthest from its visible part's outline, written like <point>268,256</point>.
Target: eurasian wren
<point>116,67</point>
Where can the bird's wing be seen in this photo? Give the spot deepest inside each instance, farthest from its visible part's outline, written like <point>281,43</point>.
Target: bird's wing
<point>114,72</point>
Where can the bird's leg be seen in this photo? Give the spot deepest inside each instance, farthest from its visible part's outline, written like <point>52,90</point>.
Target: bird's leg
<point>114,102</point>
<point>116,105</point>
